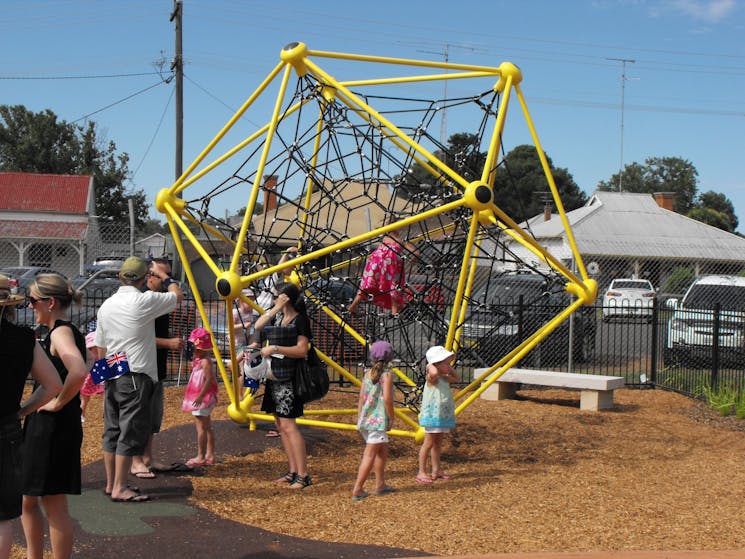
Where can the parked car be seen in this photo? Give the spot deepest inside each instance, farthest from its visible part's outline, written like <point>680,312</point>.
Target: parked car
<point>629,298</point>
<point>99,280</point>
<point>691,329</point>
<point>24,275</point>
<point>508,309</point>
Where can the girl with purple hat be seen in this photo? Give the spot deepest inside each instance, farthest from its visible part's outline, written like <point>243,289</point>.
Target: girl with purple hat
<point>375,416</point>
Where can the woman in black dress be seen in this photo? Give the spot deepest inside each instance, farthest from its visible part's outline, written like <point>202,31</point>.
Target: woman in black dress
<point>289,318</point>
<point>19,354</point>
<point>53,435</point>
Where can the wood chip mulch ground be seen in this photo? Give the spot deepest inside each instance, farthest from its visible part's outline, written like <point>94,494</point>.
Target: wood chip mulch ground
<point>658,472</point>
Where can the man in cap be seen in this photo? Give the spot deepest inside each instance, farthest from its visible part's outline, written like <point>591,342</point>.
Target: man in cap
<point>126,324</point>
<point>158,280</point>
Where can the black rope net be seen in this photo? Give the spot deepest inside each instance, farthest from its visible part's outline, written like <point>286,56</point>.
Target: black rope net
<point>335,173</point>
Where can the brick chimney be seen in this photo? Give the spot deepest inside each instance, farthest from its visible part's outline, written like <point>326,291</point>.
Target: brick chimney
<point>270,193</point>
<point>665,200</point>
<point>547,211</point>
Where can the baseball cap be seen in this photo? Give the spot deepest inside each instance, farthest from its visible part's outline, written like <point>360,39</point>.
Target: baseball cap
<point>134,268</point>
<point>381,351</point>
<point>437,354</point>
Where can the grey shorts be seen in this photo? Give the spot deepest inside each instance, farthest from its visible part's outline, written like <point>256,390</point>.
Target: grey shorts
<point>127,410</point>
<point>156,407</point>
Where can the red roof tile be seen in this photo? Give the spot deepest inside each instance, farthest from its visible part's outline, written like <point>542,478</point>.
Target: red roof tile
<point>42,193</point>
<point>42,230</point>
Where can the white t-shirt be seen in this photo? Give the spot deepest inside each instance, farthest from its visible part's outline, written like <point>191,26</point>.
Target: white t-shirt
<point>126,322</point>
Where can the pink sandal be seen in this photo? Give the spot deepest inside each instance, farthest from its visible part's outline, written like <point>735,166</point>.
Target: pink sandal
<point>443,477</point>
<point>423,479</point>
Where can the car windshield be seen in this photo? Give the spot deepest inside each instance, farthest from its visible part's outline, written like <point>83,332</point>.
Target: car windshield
<point>509,290</point>
<point>15,270</point>
<point>706,296</point>
<point>631,284</point>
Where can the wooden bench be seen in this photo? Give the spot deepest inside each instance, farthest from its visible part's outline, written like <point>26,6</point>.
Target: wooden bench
<point>596,391</point>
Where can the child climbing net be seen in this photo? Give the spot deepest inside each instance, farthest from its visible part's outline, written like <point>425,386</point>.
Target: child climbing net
<point>395,228</point>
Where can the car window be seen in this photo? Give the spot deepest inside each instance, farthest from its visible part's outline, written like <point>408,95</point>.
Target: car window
<point>631,284</point>
<point>706,296</point>
<point>509,290</point>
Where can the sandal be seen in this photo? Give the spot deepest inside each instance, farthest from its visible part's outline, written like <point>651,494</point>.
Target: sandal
<point>423,479</point>
<point>289,477</point>
<point>301,482</point>
<point>442,476</point>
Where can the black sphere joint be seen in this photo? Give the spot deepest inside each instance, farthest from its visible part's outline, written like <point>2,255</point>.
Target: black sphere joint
<point>483,194</point>
<point>290,46</point>
<point>223,287</point>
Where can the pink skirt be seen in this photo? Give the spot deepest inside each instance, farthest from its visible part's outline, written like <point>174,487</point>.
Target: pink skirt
<point>90,388</point>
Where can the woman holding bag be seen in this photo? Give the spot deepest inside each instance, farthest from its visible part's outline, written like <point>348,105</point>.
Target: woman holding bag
<point>287,327</point>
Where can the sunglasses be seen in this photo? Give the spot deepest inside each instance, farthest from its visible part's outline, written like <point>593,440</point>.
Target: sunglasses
<point>34,300</point>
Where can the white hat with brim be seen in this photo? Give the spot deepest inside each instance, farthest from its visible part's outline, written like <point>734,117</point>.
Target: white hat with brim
<point>6,297</point>
<point>437,354</point>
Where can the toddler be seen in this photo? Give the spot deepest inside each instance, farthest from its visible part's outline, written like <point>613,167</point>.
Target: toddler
<point>200,397</point>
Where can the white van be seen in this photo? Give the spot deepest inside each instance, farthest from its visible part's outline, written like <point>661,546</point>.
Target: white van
<point>690,331</point>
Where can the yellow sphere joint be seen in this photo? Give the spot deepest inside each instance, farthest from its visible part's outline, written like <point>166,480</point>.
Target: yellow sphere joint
<point>507,70</point>
<point>295,54</point>
<point>165,197</point>
<point>228,284</point>
<point>328,93</point>
<point>237,414</point>
<point>586,292</point>
<point>478,196</point>
<point>486,218</point>
<point>419,437</point>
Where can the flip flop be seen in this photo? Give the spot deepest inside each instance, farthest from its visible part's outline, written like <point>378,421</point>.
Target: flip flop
<point>136,498</point>
<point>385,491</point>
<point>423,479</point>
<point>272,433</point>
<point>147,474</point>
<point>194,463</point>
<point>361,496</point>
<point>174,468</point>
<point>443,477</point>
<point>130,487</point>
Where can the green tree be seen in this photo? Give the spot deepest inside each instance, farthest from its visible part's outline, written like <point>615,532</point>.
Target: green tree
<point>521,188</point>
<point>660,174</point>
<point>519,185</point>
<point>715,207</point>
<point>40,143</point>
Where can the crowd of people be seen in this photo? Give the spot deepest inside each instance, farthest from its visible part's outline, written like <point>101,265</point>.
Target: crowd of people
<point>128,351</point>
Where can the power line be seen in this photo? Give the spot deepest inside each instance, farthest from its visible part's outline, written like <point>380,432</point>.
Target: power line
<point>135,94</point>
<point>103,76</point>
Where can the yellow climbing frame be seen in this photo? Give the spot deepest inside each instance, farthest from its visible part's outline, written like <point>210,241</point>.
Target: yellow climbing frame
<point>477,196</point>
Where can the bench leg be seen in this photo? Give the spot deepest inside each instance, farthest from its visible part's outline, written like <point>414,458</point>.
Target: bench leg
<point>594,400</point>
<point>500,391</point>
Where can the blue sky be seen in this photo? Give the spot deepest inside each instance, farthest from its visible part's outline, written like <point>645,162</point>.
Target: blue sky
<point>683,95</point>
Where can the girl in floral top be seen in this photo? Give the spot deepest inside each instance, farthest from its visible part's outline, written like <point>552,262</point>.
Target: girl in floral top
<point>375,412</point>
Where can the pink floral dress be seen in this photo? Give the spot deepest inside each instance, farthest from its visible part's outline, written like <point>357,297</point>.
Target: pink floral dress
<point>384,276</point>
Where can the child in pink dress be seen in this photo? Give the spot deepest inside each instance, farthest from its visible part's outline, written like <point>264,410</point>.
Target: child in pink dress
<point>200,397</point>
<point>384,276</point>
<point>89,388</point>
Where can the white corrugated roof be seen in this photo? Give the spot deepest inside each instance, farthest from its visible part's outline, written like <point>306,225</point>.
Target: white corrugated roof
<point>629,224</point>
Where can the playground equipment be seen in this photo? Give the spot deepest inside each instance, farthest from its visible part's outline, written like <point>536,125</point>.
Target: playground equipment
<point>344,160</point>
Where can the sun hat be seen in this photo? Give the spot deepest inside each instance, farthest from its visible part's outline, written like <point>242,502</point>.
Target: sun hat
<point>6,297</point>
<point>201,338</point>
<point>90,340</point>
<point>381,351</point>
<point>437,354</point>
<point>134,268</point>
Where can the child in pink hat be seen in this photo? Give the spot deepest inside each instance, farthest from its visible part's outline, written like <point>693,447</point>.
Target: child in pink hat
<point>89,388</point>
<point>200,397</point>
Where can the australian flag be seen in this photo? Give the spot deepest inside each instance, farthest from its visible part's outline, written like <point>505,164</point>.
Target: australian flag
<point>111,366</point>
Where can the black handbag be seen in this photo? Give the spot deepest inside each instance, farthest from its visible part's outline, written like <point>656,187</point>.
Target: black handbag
<point>312,379</point>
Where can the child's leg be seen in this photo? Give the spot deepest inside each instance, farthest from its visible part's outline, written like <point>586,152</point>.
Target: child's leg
<point>435,453</point>
<point>201,438</point>
<point>83,404</point>
<point>366,465</point>
<point>380,460</point>
<point>209,450</point>
<point>424,453</point>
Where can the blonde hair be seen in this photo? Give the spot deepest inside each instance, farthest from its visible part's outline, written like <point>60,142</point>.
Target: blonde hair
<point>376,370</point>
<point>58,287</point>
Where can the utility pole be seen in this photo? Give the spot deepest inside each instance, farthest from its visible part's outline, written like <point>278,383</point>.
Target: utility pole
<point>623,62</point>
<point>443,117</point>
<point>177,67</point>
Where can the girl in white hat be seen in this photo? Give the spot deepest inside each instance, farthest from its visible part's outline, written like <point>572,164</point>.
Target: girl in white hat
<point>438,411</point>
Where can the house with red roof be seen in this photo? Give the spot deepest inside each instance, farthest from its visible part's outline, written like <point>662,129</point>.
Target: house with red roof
<point>45,220</point>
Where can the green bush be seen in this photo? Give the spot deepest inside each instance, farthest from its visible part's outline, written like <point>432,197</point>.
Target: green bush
<point>678,280</point>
